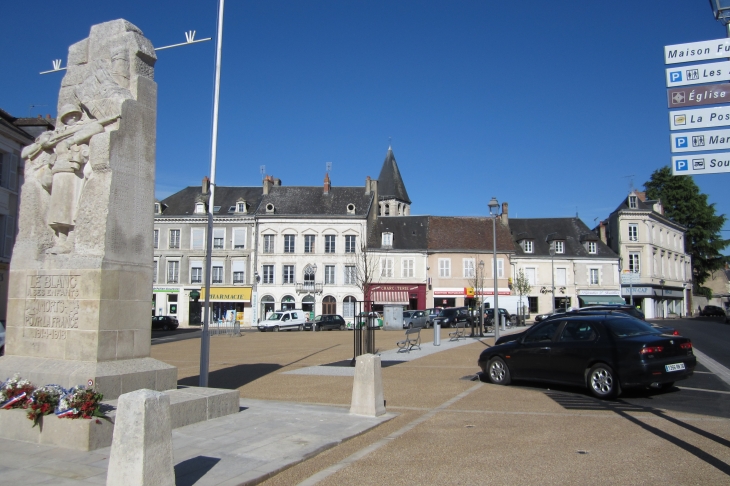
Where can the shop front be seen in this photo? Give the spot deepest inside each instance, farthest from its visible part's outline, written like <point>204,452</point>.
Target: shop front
<point>165,301</point>
<point>229,304</point>
<point>599,297</point>
<point>410,296</point>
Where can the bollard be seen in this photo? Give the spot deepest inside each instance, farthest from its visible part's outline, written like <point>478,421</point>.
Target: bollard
<point>436,333</point>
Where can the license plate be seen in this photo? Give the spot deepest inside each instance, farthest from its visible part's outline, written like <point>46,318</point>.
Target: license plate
<point>675,367</point>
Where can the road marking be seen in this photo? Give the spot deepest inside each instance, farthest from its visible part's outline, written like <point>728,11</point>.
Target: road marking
<point>312,480</point>
<point>703,390</point>
<point>712,365</point>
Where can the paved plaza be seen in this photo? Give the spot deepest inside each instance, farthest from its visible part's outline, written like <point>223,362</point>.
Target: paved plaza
<point>442,427</point>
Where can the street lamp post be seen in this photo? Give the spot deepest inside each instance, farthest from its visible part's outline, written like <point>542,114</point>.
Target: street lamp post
<point>493,210</point>
<point>662,282</point>
<point>552,268</point>
<point>481,301</point>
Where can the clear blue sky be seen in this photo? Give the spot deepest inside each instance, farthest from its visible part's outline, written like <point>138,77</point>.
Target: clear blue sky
<point>555,107</point>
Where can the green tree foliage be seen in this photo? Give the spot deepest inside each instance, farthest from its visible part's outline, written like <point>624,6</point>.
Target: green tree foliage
<point>684,204</point>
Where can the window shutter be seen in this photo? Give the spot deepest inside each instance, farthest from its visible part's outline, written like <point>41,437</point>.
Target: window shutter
<point>198,242</point>
<point>13,169</point>
<point>239,238</point>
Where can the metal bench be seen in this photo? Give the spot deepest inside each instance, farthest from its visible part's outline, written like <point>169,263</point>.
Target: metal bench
<point>412,340</point>
<point>459,332</point>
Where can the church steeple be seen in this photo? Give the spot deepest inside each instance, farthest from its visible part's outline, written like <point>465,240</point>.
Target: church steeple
<point>392,194</point>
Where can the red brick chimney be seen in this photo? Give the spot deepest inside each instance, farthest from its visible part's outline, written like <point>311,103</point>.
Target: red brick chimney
<point>505,214</point>
<point>327,183</point>
<point>602,232</point>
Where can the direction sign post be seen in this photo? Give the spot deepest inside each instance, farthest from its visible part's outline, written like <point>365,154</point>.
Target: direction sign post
<point>629,277</point>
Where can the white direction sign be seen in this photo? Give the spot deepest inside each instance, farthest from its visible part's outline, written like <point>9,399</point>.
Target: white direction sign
<point>629,277</point>
<point>697,51</point>
<point>711,72</point>
<point>700,141</point>
<point>717,116</point>
<point>697,164</point>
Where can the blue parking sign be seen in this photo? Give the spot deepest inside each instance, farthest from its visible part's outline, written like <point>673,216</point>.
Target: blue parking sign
<point>675,76</point>
<point>681,165</point>
<point>680,142</point>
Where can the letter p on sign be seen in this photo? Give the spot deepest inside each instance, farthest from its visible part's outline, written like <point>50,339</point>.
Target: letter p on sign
<point>680,165</point>
<point>675,76</point>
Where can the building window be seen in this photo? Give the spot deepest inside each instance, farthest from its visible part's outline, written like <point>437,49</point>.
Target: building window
<point>217,275</point>
<point>633,204</point>
<point>238,277</point>
<point>154,271</point>
<point>527,246</point>
<point>156,239</point>
<point>348,307</point>
<point>288,243</point>
<point>196,275</point>
<point>268,274</point>
<point>329,274</point>
<point>407,268</point>
<point>219,235</point>
<point>288,274</point>
<point>387,240</point>
<point>560,276</point>
<point>308,243</point>
<point>239,238</point>
<point>329,305</point>
<point>593,276</point>
<point>241,207</point>
<point>269,243</point>
<point>329,243</point>
<point>238,267</point>
<point>592,247</point>
<point>559,247</point>
<point>530,275</point>
<point>468,268</point>
<point>634,263</point>
<point>386,267</point>
<point>350,244</point>
<point>350,275</point>
<point>174,238</point>
<point>173,271</point>
<point>633,232</point>
<point>445,267</point>
<point>500,268</point>
<point>199,208</point>
<point>197,239</point>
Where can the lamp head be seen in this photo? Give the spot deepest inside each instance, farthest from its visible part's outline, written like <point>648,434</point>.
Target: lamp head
<point>493,206</point>
<point>721,10</point>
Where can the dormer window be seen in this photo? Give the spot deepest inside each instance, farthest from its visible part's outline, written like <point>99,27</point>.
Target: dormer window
<point>527,246</point>
<point>592,247</point>
<point>350,208</point>
<point>241,207</point>
<point>269,208</point>
<point>387,240</point>
<point>559,246</point>
<point>157,208</point>
<point>199,208</point>
<point>633,202</point>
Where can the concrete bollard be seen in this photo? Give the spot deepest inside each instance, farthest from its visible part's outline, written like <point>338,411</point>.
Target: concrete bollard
<point>367,390</point>
<point>141,452</point>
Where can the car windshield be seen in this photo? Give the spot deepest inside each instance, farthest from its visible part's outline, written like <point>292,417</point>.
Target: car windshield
<point>275,316</point>
<point>317,318</point>
<point>445,312</point>
<point>407,314</point>
<point>628,327</point>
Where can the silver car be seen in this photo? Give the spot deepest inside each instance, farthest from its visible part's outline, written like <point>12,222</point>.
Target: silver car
<point>414,318</point>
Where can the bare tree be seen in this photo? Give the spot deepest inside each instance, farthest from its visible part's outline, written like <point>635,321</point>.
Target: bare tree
<point>477,281</point>
<point>523,287</point>
<point>364,268</point>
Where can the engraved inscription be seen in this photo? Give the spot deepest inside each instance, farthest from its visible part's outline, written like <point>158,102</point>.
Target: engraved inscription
<point>51,306</point>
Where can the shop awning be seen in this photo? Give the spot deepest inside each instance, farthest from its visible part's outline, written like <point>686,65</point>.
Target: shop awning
<point>600,299</point>
<point>228,294</point>
<point>389,296</point>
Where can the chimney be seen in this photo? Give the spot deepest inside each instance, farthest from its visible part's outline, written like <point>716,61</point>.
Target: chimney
<point>327,183</point>
<point>602,232</point>
<point>277,182</point>
<point>367,185</point>
<point>268,182</point>
<point>641,196</point>
<point>39,115</point>
<point>505,214</point>
<point>205,185</point>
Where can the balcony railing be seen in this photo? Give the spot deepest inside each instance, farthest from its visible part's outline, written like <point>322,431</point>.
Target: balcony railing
<point>309,287</point>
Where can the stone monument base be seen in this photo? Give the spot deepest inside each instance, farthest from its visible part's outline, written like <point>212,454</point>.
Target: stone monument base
<point>111,378</point>
<point>188,405</point>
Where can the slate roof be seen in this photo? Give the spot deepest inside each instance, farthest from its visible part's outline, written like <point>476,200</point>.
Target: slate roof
<point>301,201</point>
<point>460,234</point>
<point>409,232</point>
<point>8,121</point>
<point>571,230</point>
<point>643,204</point>
<point>182,203</point>
<point>390,182</point>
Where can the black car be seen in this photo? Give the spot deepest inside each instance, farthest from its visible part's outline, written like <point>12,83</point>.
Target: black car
<point>451,316</point>
<point>616,308</point>
<point>603,352</point>
<point>712,310</point>
<point>327,322</point>
<point>166,323</point>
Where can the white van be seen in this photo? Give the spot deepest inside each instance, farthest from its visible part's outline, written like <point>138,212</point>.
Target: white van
<point>290,319</point>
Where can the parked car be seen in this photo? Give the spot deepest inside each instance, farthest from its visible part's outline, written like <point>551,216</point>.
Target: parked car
<point>621,309</point>
<point>376,319</point>
<point>542,317</point>
<point>712,310</point>
<point>166,323</point>
<point>414,318</point>
<point>2,338</point>
<point>326,322</point>
<point>431,314</point>
<point>603,352</point>
<point>489,315</point>
<point>451,316</point>
<point>283,320</point>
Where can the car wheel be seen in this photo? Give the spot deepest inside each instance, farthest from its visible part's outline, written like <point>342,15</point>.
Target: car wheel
<point>276,328</point>
<point>166,327</point>
<point>602,382</point>
<point>342,327</point>
<point>498,372</point>
<point>301,328</point>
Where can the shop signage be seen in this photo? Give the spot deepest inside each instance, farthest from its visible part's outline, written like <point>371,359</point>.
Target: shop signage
<point>219,294</point>
<point>636,291</point>
<point>598,292</point>
<point>668,293</point>
<point>167,290</point>
<point>697,51</point>
<point>709,94</point>
<point>701,164</point>
<point>463,292</point>
<point>391,288</point>
<point>717,116</point>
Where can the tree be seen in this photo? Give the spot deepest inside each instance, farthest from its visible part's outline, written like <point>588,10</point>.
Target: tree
<point>477,283</point>
<point>523,287</point>
<point>365,264</point>
<point>685,205</point>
